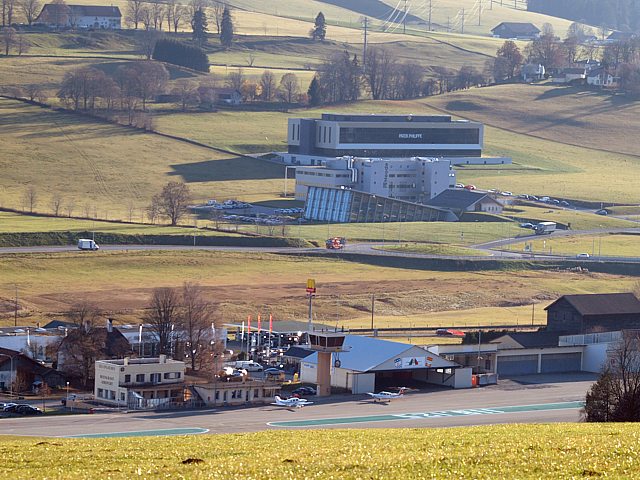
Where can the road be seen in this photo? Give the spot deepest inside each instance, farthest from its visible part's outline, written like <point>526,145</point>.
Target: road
<point>510,402</point>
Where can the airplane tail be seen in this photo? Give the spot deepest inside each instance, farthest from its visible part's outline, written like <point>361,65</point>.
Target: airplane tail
<point>278,399</point>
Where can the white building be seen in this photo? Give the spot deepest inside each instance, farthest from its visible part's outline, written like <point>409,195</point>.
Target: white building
<point>80,16</point>
<point>416,179</point>
<point>139,382</point>
<point>371,365</point>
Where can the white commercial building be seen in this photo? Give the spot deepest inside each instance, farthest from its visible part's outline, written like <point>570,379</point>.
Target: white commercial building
<point>139,382</point>
<point>416,179</point>
<point>370,364</point>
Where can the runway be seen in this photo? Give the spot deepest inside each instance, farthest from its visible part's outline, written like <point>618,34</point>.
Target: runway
<point>510,402</point>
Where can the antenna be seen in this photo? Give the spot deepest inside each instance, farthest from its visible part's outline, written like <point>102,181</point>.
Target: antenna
<point>365,22</point>
<point>404,19</point>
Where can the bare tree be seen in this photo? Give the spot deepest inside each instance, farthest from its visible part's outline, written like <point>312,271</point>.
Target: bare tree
<point>147,41</point>
<point>71,204</point>
<point>30,198</point>
<point>56,204</point>
<point>186,93</point>
<point>236,79</point>
<point>8,7</point>
<point>151,79</point>
<point>163,315</point>
<point>196,319</point>
<point>378,71</point>
<point>30,9</point>
<point>175,14</point>
<point>289,87</point>
<point>267,85</point>
<point>156,10</point>
<point>172,202</point>
<point>251,58</point>
<point>133,12</point>
<point>35,93</point>
<point>615,397</point>
<point>217,9</point>
<point>9,38</point>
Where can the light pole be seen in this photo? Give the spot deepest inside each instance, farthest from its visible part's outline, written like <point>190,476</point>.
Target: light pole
<point>66,402</point>
<point>10,373</point>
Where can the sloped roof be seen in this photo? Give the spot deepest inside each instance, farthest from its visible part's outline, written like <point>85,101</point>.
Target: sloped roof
<point>297,352</point>
<point>458,199</point>
<point>524,28</point>
<point>621,35</point>
<point>533,339</point>
<point>602,303</point>
<point>89,10</point>
<point>366,352</point>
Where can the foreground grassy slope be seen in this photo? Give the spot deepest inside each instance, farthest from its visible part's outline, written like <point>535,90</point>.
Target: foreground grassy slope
<point>559,451</point>
<point>107,168</point>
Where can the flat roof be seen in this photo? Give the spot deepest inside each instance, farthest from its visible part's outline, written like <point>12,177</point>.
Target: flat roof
<point>344,117</point>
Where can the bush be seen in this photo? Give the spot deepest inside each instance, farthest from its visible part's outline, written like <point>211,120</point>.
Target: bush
<point>178,53</point>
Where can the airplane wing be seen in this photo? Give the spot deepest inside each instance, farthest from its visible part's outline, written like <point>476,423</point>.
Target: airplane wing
<point>371,394</point>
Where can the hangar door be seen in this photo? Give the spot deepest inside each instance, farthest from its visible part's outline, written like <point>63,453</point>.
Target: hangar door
<point>561,362</point>
<point>518,365</point>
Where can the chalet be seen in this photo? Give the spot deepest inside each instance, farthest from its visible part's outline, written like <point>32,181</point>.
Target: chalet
<point>598,77</point>
<point>602,312</point>
<point>519,30</point>
<point>460,201</point>
<point>571,75</point>
<point>19,372</point>
<point>59,15</point>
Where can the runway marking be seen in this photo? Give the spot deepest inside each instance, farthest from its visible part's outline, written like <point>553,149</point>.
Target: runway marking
<point>144,433</point>
<point>427,415</point>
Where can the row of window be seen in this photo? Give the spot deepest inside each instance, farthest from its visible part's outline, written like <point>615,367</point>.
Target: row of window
<point>153,377</point>
<point>106,394</point>
<point>295,131</point>
<point>449,135</point>
<point>324,133</point>
<point>404,175</point>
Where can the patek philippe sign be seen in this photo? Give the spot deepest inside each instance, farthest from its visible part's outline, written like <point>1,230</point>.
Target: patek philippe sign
<point>409,135</point>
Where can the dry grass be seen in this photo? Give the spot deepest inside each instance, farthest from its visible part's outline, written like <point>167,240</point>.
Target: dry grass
<point>606,245</point>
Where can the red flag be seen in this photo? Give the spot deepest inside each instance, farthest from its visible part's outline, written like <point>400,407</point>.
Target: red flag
<point>248,323</point>
<point>270,323</point>
<point>259,323</point>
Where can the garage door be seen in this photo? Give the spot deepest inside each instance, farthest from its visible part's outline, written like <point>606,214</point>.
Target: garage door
<point>561,362</point>
<point>518,365</point>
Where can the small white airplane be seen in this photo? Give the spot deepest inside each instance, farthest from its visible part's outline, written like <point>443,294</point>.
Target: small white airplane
<point>387,396</point>
<point>293,402</point>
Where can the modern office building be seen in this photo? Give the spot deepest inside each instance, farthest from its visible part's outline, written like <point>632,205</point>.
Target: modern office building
<point>416,179</point>
<point>311,140</point>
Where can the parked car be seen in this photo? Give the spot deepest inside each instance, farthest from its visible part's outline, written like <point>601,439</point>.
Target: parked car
<point>28,410</point>
<point>272,371</point>
<point>470,187</point>
<point>459,185</point>
<point>582,256</point>
<point>304,391</point>
<point>527,225</point>
<point>9,407</point>
<point>602,211</point>
<point>506,194</point>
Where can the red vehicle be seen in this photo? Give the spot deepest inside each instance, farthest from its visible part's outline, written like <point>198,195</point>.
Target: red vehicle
<point>336,243</point>
<point>470,187</point>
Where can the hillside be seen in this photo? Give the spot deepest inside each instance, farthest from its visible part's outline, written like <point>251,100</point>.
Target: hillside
<point>559,451</point>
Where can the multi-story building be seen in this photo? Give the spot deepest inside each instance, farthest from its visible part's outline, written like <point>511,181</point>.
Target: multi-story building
<point>410,179</point>
<point>311,141</point>
<point>140,382</point>
<point>61,15</point>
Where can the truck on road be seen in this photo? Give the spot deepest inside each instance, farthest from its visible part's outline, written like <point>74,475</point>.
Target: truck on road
<point>545,228</point>
<point>336,243</point>
<point>87,244</point>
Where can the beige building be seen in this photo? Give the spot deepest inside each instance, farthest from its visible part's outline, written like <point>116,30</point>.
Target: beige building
<point>140,382</point>
<point>249,391</point>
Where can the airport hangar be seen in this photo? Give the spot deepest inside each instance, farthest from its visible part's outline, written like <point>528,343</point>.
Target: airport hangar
<point>370,364</point>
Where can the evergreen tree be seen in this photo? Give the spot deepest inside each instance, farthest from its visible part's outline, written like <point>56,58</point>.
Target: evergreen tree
<point>315,97</point>
<point>226,29</point>
<point>199,27</point>
<point>319,31</point>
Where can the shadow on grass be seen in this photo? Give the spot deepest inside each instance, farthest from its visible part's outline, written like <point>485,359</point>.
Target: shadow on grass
<point>238,168</point>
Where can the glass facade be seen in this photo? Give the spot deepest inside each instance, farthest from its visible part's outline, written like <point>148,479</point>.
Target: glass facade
<point>410,136</point>
<point>350,206</point>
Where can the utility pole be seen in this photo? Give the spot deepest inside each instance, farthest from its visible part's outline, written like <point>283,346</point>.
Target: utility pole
<point>462,28</point>
<point>364,49</point>
<point>15,316</point>
<point>404,18</point>
<point>479,11</point>
<point>448,24</point>
<point>430,12</point>
<point>373,300</point>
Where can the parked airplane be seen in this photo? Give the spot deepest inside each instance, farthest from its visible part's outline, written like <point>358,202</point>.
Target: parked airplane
<point>293,402</point>
<point>387,396</point>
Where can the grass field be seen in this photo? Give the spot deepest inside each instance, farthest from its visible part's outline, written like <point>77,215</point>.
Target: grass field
<point>606,245</point>
<point>433,249</point>
<point>242,284</point>
<point>107,168</point>
<point>558,451</point>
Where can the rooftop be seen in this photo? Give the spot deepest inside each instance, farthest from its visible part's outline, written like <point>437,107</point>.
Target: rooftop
<point>340,117</point>
<point>518,27</point>
<point>602,303</point>
<point>457,199</point>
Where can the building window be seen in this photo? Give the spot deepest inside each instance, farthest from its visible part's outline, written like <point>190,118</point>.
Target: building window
<point>122,397</point>
<point>155,378</point>
<point>127,378</point>
<point>140,377</point>
<point>100,393</point>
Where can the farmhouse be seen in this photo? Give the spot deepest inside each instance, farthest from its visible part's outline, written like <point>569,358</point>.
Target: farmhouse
<point>600,312</point>
<point>599,77</point>
<point>570,75</point>
<point>80,16</point>
<point>19,372</point>
<point>532,72</point>
<point>519,30</point>
<point>228,96</point>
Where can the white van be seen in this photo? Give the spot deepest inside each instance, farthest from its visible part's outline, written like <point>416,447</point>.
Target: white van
<point>87,244</point>
<point>249,366</point>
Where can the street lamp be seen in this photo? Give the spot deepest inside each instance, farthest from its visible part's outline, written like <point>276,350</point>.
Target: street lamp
<point>66,402</point>
<point>10,357</point>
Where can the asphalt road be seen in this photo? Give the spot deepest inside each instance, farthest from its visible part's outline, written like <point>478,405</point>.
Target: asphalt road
<point>353,408</point>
